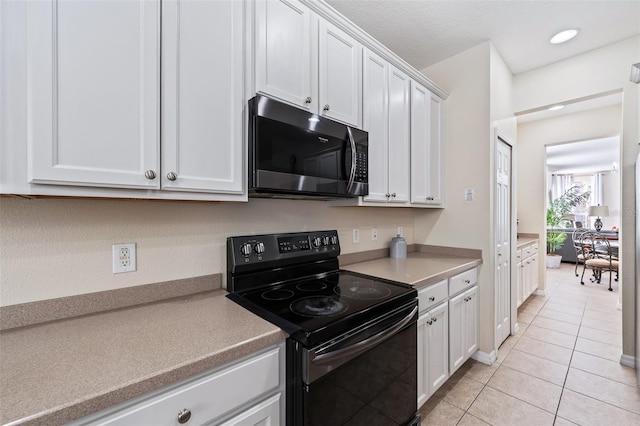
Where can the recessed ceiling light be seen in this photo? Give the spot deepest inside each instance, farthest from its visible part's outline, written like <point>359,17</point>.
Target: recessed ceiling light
<point>563,36</point>
<point>556,107</point>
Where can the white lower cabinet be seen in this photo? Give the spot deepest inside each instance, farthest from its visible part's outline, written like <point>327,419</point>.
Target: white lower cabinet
<point>447,330</point>
<point>248,392</point>
<point>463,327</point>
<point>527,268</point>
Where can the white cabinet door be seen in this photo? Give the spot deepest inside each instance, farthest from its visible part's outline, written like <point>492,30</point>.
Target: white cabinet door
<point>375,121</point>
<point>471,322</point>
<point>456,327</point>
<point>93,92</point>
<point>399,136</point>
<point>463,327</point>
<point>267,413</point>
<point>423,353</point>
<point>340,74</point>
<point>426,147</point>
<point>533,279</point>
<point>520,283</point>
<point>438,347</point>
<point>202,86</point>
<point>286,52</point>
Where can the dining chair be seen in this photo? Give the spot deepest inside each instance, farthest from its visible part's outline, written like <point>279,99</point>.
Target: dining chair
<point>576,237</point>
<point>598,257</point>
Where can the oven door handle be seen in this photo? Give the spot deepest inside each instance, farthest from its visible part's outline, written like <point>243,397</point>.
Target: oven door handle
<point>352,174</point>
<point>356,349</point>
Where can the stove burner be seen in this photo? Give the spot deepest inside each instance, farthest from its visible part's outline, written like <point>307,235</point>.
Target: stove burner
<point>318,306</point>
<point>279,294</point>
<point>359,288</point>
<point>311,286</point>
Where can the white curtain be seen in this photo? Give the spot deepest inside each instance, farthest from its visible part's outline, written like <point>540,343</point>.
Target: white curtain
<point>596,189</point>
<point>559,185</point>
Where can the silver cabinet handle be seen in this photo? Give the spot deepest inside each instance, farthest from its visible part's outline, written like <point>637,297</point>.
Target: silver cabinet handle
<point>307,100</point>
<point>172,176</point>
<point>429,198</point>
<point>431,299</point>
<point>354,164</point>
<point>435,319</point>
<point>430,322</point>
<point>150,174</point>
<point>467,281</point>
<point>184,416</point>
<point>326,107</point>
<point>387,195</point>
<point>393,195</point>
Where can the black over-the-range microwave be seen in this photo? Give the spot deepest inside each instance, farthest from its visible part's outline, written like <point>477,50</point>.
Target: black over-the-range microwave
<point>297,154</point>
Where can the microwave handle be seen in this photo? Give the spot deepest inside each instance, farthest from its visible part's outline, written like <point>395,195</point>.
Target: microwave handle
<point>352,174</point>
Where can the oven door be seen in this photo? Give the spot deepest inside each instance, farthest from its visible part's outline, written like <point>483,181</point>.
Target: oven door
<point>365,377</point>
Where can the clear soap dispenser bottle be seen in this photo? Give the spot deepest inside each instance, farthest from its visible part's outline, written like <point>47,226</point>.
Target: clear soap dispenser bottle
<point>398,247</point>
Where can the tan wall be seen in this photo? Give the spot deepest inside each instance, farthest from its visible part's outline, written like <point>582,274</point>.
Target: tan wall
<point>52,248</point>
<point>600,71</point>
<point>467,165</point>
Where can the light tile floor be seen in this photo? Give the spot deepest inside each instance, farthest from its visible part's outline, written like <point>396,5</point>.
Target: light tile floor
<point>562,368</point>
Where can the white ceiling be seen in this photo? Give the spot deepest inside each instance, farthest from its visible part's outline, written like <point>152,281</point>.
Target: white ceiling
<point>425,32</point>
<point>584,157</point>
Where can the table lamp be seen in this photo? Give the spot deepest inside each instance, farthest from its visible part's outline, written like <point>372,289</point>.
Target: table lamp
<point>598,211</point>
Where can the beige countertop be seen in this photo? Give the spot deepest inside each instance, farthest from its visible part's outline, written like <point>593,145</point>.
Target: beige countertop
<point>523,241</point>
<point>418,269</point>
<point>59,371</point>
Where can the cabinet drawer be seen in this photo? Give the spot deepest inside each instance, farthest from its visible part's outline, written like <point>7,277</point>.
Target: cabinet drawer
<point>207,398</point>
<point>534,248</point>
<point>432,295</point>
<point>519,255</point>
<point>463,281</point>
<point>526,251</point>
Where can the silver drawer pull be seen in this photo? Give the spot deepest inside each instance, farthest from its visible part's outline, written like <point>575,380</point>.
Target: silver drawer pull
<point>307,100</point>
<point>184,416</point>
<point>326,107</point>
<point>150,174</point>
<point>431,299</point>
<point>467,281</point>
<point>172,176</point>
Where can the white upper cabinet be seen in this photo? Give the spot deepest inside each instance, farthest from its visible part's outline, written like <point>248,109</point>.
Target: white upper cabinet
<point>340,75</point>
<point>307,61</point>
<point>399,135</point>
<point>426,147</point>
<point>202,96</point>
<point>386,119</point>
<point>96,122</point>
<point>286,55</point>
<point>93,105</point>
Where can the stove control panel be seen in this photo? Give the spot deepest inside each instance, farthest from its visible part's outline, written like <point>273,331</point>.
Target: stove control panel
<point>254,249</point>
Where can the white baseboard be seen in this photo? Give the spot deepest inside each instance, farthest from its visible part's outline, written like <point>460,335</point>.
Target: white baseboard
<point>628,360</point>
<point>540,293</point>
<point>485,358</point>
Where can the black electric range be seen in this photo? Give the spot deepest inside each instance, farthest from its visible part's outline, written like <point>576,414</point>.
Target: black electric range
<point>338,322</point>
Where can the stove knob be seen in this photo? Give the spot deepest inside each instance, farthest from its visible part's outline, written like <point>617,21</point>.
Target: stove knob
<point>316,242</point>
<point>325,240</point>
<point>259,248</point>
<point>334,239</point>
<point>245,249</point>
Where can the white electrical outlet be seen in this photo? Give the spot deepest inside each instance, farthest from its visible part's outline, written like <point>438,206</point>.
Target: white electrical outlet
<point>356,236</point>
<point>374,234</point>
<point>124,258</point>
<point>400,231</point>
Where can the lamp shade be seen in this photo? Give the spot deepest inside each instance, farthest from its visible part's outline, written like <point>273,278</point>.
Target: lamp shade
<point>600,211</point>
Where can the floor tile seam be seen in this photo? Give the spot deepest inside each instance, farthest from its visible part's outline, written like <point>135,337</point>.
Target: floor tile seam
<point>594,340</point>
<point>553,329</point>
<point>604,402</point>
<point>601,357</point>
<point>542,357</point>
<point>514,397</point>
<point>599,375</point>
<point>542,314</point>
<point>567,334</point>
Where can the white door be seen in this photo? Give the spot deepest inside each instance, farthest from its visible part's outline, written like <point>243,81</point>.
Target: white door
<point>286,54</point>
<point>339,75</point>
<point>93,100</point>
<point>375,122</point>
<point>503,241</point>
<point>399,136</point>
<point>202,86</point>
